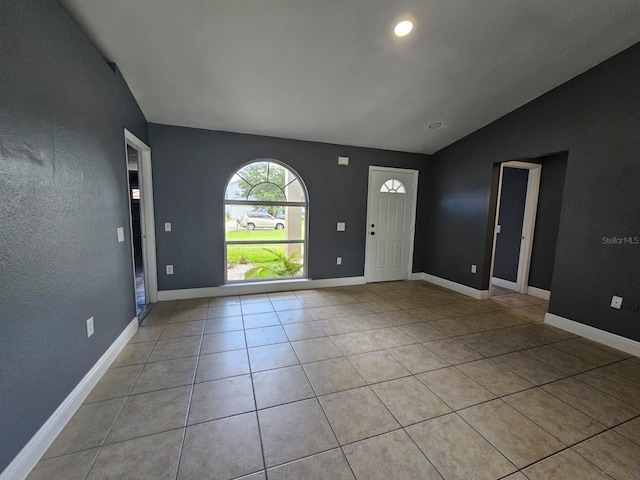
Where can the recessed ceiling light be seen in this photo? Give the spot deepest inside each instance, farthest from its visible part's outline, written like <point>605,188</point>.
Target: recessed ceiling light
<point>435,125</point>
<point>403,28</point>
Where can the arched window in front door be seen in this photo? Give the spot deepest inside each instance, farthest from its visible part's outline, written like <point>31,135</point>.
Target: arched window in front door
<point>266,213</point>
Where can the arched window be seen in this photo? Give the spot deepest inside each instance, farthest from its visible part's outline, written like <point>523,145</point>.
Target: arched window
<point>393,186</point>
<point>266,214</point>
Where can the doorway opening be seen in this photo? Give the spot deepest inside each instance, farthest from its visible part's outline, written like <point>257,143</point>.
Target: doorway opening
<point>266,215</point>
<point>391,216</point>
<point>138,157</point>
<point>518,189</point>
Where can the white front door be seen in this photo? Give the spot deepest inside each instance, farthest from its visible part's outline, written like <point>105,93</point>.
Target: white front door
<point>390,223</point>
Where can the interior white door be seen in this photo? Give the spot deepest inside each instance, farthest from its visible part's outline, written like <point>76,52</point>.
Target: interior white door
<point>390,224</point>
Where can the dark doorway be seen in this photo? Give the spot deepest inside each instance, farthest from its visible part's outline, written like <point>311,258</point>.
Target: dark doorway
<point>133,167</point>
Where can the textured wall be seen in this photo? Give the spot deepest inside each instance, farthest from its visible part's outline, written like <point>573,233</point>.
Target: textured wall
<point>191,168</point>
<point>63,193</point>
<point>596,118</point>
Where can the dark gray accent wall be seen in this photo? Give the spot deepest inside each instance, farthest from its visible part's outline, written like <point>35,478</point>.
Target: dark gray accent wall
<point>543,252</point>
<point>510,218</point>
<point>63,192</point>
<point>191,168</point>
<point>596,118</point>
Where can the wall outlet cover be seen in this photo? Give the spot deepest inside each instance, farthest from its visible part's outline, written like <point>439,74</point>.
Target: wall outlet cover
<point>167,226</point>
<point>616,302</point>
<point>89,327</point>
<point>339,261</point>
<point>341,226</point>
<point>120,233</point>
<point>474,269</point>
<point>169,269</point>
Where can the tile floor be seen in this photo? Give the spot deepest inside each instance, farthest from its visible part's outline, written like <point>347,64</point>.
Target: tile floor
<point>395,380</point>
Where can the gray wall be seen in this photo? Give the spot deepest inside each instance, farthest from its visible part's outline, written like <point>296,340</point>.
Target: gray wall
<point>511,216</point>
<point>191,168</point>
<point>595,117</point>
<point>543,253</point>
<point>64,192</point>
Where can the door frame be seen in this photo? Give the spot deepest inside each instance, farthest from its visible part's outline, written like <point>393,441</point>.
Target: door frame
<point>412,227</point>
<point>528,222</point>
<point>147,218</point>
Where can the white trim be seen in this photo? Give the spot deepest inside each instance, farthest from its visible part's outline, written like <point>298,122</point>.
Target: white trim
<point>31,453</point>
<point>456,287</point>
<point>257,287</point>
<point>145,181</point>
<point>538,293</point>
<point>418,276</point>
<point>414,210</point>
<point>612,340</point>
<point>528,221</point>
<point>501,282</point>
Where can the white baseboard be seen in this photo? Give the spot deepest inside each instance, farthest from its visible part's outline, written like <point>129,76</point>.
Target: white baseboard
<point>31,453</point>
<point>456,287</point>
<point>612,340</point>
<point>501,282</point>
<point>257,287</point>
<point>538,293</point>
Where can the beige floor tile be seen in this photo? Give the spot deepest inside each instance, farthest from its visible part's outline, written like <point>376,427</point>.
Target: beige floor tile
<point>219,311</point>
<point>343,299</point>
<point>409,401</point>
<point>282,385</point>
<point>566,465</point>
<point>183,329</point>
<point>417,359</point>
<point>631,430</point>
<point>357,414</point>
<point>330,465</point>
<point>188,315</point>
<point>559,360</point>
<point>544,334</point>
<point>259,320</point>
<point>390,337</point>
<point>134,354</point>
<point>615,385</point>
<point>175,348</point>
<point>325,313</point>
<point>337,326</point>
<point>315,349</point>
<point>483,344</point>
<point>427,314</point>
<point>294,431</point>
<point>222,342</point>
<point>627,368</point>
<point>216,301</point>
<point>272,356</point>
<point>312,302</point>
<point>225,448</point>
<point>454,326</point>
<point>613,453</point>
<point>455,388</point>
<point>587,352</point>
<point>288,304</point>
<point>294,316</point>
<point>74,466</point>
<point>515,476</point>
<point>378,366</point>
<point>254,298</point>
<point>303,331</point>
<point>257,307</point>
<point>494,378</point>
<point>87,428</point>
<point>333,375</point>
<point>369,322</point>
<point>154,319</point>
<point>257,337</point>
<point>517,437</point>
<point>356,342</point>
<point>422,332</point>
<point>148,458</point>
<point>392,455</point>
<point>398,317</point>
<point>150,413</point>
<point>555,416</point>
<point>380,306</point>
<point>595,403</point>
<point>221,398</point>
<point>453,351</point>
<point>528,368</point>
<point>354,309</point>
<point>457,450</point>
<point>116,382</point>
<point>147,334</point>
<point>226,324</point>
<point>164,307</point>
<point>192,304</point>
<point>222,365</point>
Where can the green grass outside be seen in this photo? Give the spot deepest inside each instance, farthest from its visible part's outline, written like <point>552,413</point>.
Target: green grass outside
<point>255,254</point>
<point>243,235</point>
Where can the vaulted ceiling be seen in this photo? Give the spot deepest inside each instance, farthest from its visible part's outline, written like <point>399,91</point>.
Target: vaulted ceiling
<point>333,71</point>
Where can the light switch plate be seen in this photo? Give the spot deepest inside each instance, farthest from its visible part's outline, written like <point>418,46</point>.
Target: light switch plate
<point>120,231</point>
<point>343,161</point>
<point>169,269</point>
<point>498,229</point>
<point>616,302</point>
<point>167,226</point>
<point>341,226</point>
<point>339,261</point>
<point>474,269</point>
<point>89,327</point>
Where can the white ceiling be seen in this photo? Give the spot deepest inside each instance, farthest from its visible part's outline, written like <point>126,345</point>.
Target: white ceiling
<point>332,71</point>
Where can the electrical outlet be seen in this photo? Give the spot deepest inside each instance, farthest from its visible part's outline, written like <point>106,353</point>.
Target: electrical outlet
<point>169,269</point>
<point>89,327</point>
<point>474,269</point>
<point>616,302</point>
<point>120,234</point>
<point>167,226</point>
<point>339,261</point>
<point>341,226</point>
